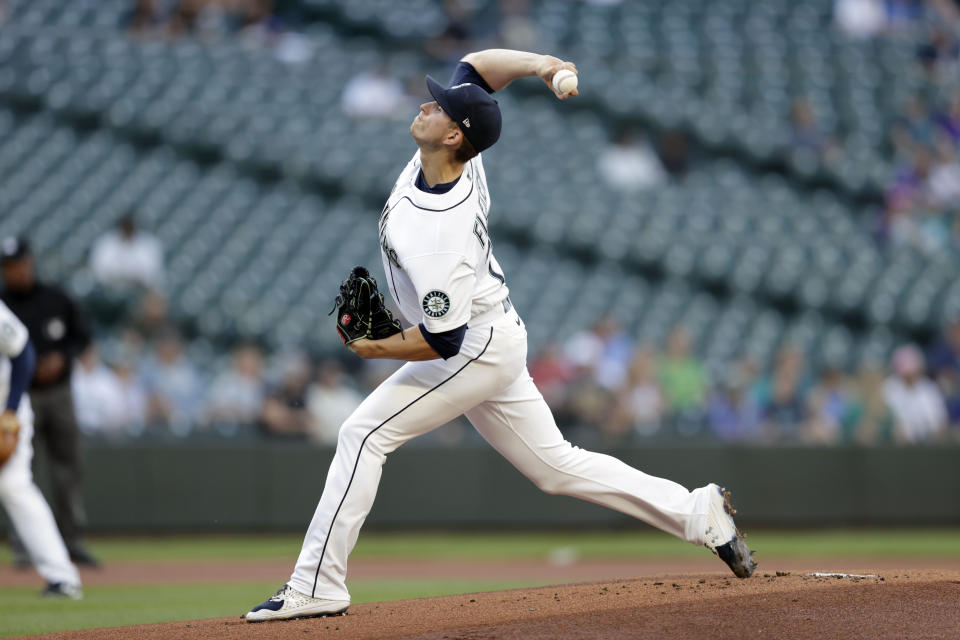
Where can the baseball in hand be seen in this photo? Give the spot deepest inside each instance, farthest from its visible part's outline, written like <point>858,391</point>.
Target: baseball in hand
<point>564,81</point>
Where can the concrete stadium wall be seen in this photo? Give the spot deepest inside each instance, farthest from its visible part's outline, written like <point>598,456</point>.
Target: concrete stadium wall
<point>275,486</point>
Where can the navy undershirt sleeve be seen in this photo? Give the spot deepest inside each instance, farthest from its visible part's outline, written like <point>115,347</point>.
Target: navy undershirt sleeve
<point>21,372</point>
<point>466,73</point>
<point>445,343</point>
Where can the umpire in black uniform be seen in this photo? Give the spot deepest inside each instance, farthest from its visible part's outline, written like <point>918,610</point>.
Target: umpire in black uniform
<point>59,334</point>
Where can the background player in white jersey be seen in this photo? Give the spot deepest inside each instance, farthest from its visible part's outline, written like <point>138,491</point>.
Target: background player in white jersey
<point>28,511</point>
<point>466,354</point>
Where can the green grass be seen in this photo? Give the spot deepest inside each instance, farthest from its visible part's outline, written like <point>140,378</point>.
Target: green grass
<point>530,545</point>
<point>22,612</point>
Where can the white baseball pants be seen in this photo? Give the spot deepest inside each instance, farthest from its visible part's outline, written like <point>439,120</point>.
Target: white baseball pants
<point>29,512</point>
<point>489,383</point>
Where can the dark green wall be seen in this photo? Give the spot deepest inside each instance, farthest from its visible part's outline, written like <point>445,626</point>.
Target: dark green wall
<point>273,486</point>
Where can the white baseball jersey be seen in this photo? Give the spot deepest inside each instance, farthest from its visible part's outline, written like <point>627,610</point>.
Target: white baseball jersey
<point>436,250</point>
<point>13,337</point>
<point>28,511</point>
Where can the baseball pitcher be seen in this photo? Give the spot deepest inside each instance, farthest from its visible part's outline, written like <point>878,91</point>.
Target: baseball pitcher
<point>465,349</point>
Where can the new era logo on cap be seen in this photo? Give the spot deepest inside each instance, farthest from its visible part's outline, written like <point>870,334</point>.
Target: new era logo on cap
<point>466,122</point>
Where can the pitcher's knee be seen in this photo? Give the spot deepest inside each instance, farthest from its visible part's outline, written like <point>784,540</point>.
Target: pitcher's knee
<point>552,481</point>
<point>553,470</point>
<point>354,433</point>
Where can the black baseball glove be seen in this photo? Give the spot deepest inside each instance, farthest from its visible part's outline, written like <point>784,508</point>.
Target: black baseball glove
<point>360,309</point>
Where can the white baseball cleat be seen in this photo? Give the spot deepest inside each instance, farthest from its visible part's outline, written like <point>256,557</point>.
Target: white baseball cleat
<point>722,536</point>
<point>63,590</point>
<point>288,603</point>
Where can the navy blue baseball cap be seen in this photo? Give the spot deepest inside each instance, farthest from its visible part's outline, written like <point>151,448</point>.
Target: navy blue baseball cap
<point>472,108</point>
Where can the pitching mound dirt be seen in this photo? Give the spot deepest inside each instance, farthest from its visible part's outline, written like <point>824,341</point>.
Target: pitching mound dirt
<point>912,604</point>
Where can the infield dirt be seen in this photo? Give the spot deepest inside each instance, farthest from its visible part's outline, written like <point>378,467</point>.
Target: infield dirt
<point>896,603</point>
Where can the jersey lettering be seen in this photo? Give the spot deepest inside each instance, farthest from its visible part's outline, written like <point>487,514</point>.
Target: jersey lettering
<point>384,245</point>
<point>480,231</point>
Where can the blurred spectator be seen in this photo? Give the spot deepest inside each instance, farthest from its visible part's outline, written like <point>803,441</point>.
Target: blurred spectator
<point>601,353</point>
<point>552,372</point>
<point>943,184</point>
<point>834,409</point>
<point>639,403</point>
<point>912,217</point>
<point>124,352</point>
<point>285,406</point>
<point>102,403</point>
<point>732,411</point>
<point>587,409</point>
<point>918,408</point>
<point>133,393</point>
<point>217,17</point>
<point>681,376</point>
<point>151,15</point>
<point>907,189</point>
<point>253,21</point>
<point>944,11</point>
<point>860,18</point>
<point>376,94</point>
<point>126,345</point>
<point>806,134</point>
<point>781,396</point>
<point>873,423</point>
<point>330,401</point>
<point>174,387</point>
<point>237,393</point>
<point>128,256</point>
<point>584,349</point>
<point>914,126</point>
<point>944,366</point>
<point>903,15</point>
<point>630,164</point>
<point>939,55</point>
<point>256,22</point>
<point>151,315</point>
<point>588,403</point>
<point>949,119</point>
